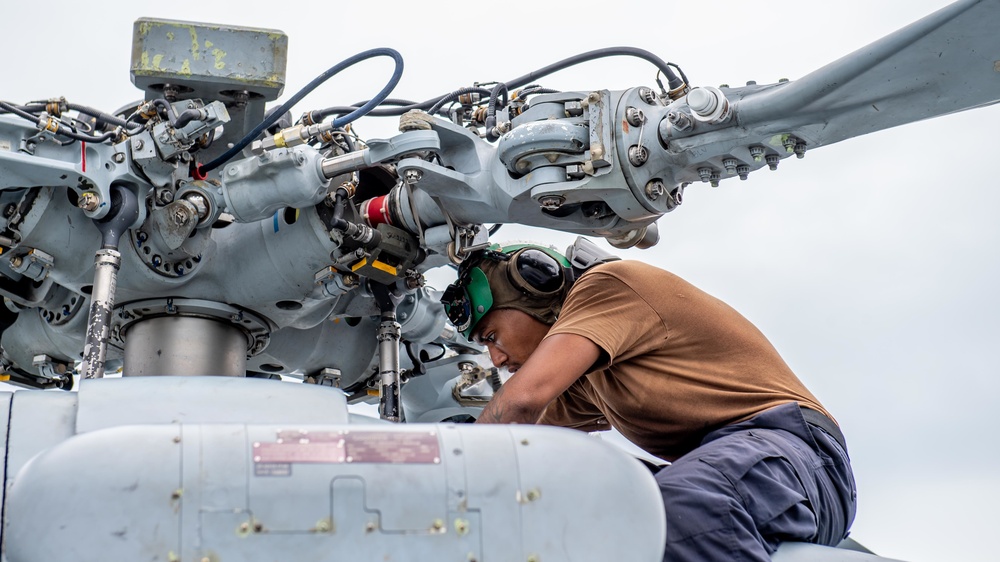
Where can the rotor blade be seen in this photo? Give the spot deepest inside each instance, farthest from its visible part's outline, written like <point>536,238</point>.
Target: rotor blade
<point>947,62</point>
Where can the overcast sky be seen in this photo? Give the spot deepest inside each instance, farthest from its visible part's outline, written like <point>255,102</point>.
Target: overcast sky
<point>871,264</point>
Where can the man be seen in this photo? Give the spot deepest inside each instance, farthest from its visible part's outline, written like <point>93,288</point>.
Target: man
<point>598,343</point>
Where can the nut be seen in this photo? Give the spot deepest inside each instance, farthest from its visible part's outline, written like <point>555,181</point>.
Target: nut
<point>89,201</point>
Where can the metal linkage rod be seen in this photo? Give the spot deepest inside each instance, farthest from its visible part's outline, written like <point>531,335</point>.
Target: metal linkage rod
<point>107,262</point>
<point>389,334</point>
<point>388,366</point>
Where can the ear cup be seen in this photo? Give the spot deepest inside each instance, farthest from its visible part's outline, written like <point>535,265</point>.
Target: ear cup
<point>537,272</point>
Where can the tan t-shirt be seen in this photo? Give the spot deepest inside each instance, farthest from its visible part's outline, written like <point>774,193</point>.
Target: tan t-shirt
<point>678,362</point>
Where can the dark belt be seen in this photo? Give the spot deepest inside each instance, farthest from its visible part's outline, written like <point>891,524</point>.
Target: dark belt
<point>813,417</point>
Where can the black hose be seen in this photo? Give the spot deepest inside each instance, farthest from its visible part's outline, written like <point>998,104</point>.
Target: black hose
<point>187,116</point>
<point>102,117</point>
<point>339,122</point>
<point>665,67</point>
<point>317,115</point>
<point>491,110</point>
<point>340,203</point>
<point>62,129</point>
<point>15,110</point>
<point>454,96</point>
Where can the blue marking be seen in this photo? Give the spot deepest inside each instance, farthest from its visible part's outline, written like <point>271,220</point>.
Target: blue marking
<point>276,221</point>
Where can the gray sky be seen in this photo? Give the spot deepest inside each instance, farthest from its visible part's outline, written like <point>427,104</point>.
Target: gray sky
<point>867,263</point>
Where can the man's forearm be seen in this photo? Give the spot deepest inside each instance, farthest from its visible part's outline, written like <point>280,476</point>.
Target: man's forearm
<point>502,409</point>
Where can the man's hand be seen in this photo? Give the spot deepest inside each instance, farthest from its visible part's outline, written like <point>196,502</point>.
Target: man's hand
<point>555,365</point>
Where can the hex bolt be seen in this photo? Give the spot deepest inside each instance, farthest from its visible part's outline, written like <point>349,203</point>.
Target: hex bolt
<point>654,189</point>
<point>412,176</point>
<point>16,262</point>
<point>678,195</point>
<point>137,144</point>
<point>772,161</point>
<point>89,201</point>
<point>705,174</point>
<point>757,153</point>
<point>118,157</point>
<point>789,144</point>
<point>551,202</point>
<point>647,95</point>
<point>680,120</point>
<point>730,165</point>
<point>637,155</point>
<point>594,97</point>
<point>634,116</point>
<point>743,171</point>
<point>164,196</point>
<point>800,150</point>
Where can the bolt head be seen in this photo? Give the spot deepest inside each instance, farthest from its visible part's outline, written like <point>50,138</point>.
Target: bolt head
<point>89,201</point>
<point>654,189</point>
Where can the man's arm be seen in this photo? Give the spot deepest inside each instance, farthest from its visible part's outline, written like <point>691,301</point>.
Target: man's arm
<point>555,365</point>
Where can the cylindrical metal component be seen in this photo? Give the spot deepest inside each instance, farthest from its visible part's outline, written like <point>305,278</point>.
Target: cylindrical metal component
<point>107,262</point>
<point>376,211</point>
<point>350,162</point>
<point>185,345</point>
<point>642,238</point>
<point>708,104</point>
<point>388,366</point>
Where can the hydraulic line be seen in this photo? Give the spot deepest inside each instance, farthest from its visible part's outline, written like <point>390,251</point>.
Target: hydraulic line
<point>491,110</point>
<point>665,67</point>
<point>338,122</point>
<point>454,96</point>
<point>317,115</point>
<point>55,126</point>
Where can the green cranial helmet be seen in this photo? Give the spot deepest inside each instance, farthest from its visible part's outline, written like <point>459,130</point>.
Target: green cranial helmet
<point>527,277</point>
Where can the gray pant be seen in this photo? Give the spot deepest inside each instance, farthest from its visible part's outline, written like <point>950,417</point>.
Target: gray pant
<point>754,484</point>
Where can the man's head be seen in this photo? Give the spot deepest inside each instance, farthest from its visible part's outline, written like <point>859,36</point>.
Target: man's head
<point>507,297</point>
<point>525,277</point>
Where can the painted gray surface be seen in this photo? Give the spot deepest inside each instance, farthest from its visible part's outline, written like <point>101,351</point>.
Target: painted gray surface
<point>163,478</point>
